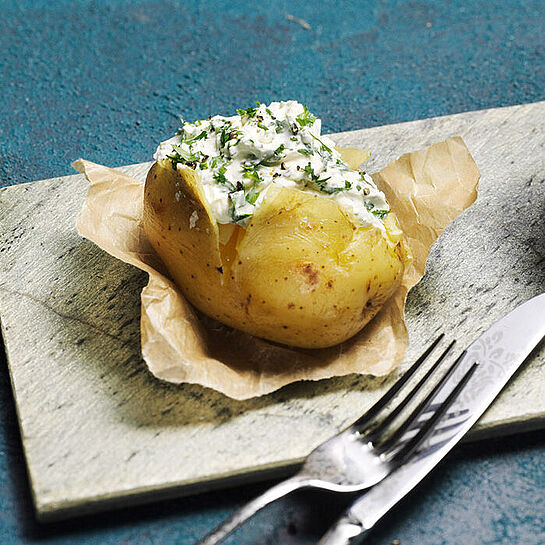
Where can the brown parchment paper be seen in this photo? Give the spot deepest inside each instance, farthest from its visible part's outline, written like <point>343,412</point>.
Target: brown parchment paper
<point>427,189</point>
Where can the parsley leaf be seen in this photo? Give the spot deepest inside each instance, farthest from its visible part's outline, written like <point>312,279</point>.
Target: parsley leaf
<point>253,175</point>
<point>252,195</point>
<point>324,147</point>
<point>380,213</point>
<point>222,179</point>
<point>200,136</point>
<point>275,157</point>
<point>238,217</point>
<point>319,182</point>
<point>249,112</point>
<point>279,149</point>
<point>306,118</point>
<point>180,155</point>
<point>240,208</point>
<point>220,175</point>
<point>224,137</point>
<point>227,133</point>
<point>310,171</point>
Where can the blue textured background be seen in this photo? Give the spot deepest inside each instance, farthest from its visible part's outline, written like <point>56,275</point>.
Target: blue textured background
<point>108,80</point>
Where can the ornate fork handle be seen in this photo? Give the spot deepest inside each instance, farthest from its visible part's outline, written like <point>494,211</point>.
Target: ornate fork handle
<point>244,513</point>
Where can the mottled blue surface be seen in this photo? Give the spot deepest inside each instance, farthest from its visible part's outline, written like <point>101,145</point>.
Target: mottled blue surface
<point>108,80</point>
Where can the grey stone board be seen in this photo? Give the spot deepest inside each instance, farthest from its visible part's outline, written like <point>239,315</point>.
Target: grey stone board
<point>99,430</point>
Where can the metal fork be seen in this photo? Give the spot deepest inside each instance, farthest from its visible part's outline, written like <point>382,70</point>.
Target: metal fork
<point>367,451</point>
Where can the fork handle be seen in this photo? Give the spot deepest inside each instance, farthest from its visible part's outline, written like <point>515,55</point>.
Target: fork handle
<point>344,532</point>
<point>250,509</point>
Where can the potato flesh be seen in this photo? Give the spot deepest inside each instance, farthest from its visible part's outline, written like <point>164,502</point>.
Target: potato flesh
<point>304,272</point>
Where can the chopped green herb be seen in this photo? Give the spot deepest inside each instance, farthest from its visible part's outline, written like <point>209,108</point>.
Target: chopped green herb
<point>180,155</point>
<point>220,175</point>
<point>261,126</point>
<point>248,167</point>
<point>326,189</point>
<point>275,157</point>
<point>268,111</point>
<point>279,149</point>
<point>198,137</point>
<point>320,183</point>
<point>252,195</point>
<point>306,118</point>
<point>224,138</point>
<point>304,151</point>
<point>324,147</point>
<point>294,138</point>
<point>186,155</point>
<point>239,217</point>
<point>309,170</point>
<point>228,134</point>
<point>358,187</point>
<point>380,213</point>
<point>249,112</point>
<point>279,126</point>
<point>240,208</point>
<point>221,178</point>
<point>347,184</point>
<point>253,175</point>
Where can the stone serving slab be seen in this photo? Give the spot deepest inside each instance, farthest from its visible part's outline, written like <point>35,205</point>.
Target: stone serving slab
<point>99,430</point>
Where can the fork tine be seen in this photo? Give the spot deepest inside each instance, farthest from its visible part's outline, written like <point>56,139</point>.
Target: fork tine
<point>396,436</point>
<point>428,427</point>
<point>378,431</point>
<point>369,415</point>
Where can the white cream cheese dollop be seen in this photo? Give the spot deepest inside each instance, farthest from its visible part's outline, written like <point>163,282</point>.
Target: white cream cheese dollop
<point>240,158</point>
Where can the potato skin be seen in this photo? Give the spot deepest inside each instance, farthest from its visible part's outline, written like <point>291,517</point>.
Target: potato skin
<point>304,272</point>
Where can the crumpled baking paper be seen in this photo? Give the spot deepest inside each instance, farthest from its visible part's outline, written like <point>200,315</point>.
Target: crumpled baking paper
<point>426,189</point>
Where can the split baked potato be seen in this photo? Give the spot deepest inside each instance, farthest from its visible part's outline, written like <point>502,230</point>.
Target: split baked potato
<point>301,270</point>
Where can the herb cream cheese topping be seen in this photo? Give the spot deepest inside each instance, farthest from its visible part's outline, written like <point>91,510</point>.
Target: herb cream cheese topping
<point>239,158</point>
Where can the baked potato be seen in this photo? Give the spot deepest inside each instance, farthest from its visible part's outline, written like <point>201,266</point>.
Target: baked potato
<point>302,263</point>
